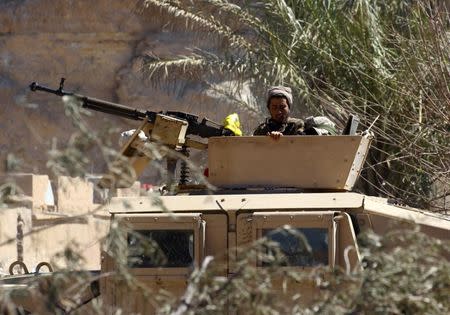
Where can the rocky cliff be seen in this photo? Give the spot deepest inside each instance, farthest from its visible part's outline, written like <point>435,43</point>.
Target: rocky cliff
<point>97,46</point>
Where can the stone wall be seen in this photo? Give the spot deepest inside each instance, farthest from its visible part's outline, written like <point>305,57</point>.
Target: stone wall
<point>34,229</point>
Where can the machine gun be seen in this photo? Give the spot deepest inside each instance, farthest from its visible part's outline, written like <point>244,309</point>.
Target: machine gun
<point>171,129</point>
<point>204,128</point>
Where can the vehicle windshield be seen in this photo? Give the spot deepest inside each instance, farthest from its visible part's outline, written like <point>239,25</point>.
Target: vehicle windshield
<point>160,248</point>
<point>304,247</point>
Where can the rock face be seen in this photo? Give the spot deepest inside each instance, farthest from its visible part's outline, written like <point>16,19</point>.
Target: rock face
<point>96,46</point>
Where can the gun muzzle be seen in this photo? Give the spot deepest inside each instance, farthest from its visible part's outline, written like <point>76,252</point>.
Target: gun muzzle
<point>33,86</point>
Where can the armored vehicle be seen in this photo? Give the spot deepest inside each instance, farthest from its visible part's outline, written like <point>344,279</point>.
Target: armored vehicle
<point>259,187</point>
<point>290,184</point>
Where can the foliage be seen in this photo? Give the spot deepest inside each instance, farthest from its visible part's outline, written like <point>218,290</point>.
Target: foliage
<point>404,273</point>
<point>400,278</point>
<point>385,59</point>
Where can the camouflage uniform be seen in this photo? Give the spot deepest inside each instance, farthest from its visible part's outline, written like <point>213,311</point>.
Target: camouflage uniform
<point>293,126</point>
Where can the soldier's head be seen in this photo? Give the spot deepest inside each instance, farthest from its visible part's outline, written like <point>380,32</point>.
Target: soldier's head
<point>279,101</point>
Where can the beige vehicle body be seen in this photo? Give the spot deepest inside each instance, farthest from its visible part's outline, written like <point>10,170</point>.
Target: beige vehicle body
<point>307,192</point>
<point>299,182</point>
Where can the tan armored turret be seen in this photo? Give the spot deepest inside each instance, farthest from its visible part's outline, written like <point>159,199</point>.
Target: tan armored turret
<point>329,163</point>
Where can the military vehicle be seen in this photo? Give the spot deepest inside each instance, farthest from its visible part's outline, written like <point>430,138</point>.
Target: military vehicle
<point>261,188</point>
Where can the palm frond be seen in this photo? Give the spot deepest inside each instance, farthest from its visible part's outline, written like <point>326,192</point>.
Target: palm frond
<point>209,24</point>
<point>386,58</point>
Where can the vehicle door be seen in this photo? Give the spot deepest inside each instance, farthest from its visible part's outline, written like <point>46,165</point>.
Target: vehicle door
<point>161,252</point>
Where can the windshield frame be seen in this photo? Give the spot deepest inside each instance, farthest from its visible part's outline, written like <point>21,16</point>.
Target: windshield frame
<point>167,221</point>
<point>317,219</point>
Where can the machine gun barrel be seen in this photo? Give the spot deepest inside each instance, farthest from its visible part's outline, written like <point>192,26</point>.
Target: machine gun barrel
<point>204,128</point>
<point>112,108</point>
<point>94,103</point>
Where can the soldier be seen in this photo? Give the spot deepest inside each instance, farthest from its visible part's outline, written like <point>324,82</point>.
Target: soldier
<point>279,102</point>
